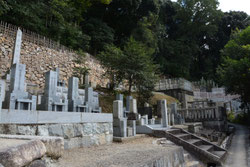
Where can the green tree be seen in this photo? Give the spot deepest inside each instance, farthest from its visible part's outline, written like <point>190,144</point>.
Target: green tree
<point>234,72</point>
<point>100,34</point>
<point>133,65</point>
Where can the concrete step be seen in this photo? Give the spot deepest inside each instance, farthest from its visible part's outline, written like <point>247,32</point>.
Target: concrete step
<point>174,131</point>
<point>206,147</point>
<point>194,141</point>
<point>218,153</point>
<point>181,134</point>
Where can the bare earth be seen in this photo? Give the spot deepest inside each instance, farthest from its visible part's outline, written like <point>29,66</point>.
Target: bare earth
<point>132,153</point>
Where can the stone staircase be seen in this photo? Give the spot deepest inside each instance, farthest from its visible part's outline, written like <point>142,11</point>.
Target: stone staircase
<point>206,151</point>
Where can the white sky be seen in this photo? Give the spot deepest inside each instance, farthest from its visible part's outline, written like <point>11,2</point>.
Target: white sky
<point>235,5</point>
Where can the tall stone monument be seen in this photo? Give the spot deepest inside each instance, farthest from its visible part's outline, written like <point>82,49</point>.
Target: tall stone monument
<point>17,97</point>
<point>17,47</point>
<point>119,122</point>
<point>162,107</point>
<point>2,93</point>
<point>76,102</point>
<point>91,97</point>
<point>53,101</point>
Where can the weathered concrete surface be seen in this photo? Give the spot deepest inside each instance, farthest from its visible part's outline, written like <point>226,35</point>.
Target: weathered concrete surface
<point>54,145</point>
<point>237,153</point>
<point>22,154</point>
<point>6,143</point>
<point>49,117</point>
<point>136,153</point>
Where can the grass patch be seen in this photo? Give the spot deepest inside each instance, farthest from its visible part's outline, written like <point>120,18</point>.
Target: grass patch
<point>106,98</point>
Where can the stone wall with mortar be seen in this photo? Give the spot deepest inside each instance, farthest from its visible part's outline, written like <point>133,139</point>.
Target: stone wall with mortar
<point>75,135</point>
<point>40,59</point>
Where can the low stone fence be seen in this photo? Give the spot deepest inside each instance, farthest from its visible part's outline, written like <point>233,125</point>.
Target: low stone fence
<point>77,129</point>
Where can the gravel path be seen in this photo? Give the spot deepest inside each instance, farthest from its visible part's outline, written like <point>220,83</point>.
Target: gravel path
<point>132,153</point>
<point>237,153</point>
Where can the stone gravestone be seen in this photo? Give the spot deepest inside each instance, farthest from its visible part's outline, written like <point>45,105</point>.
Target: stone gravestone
<point>162,107</point>
<point>128,98</point>
<point>132,115</point>
<point>119,122</point>
<point>17,47</point>
<point>52,101</point>
<point>76,102</point>
<point>91,98</point>
<point>2,93</point>
<point>17,97</point>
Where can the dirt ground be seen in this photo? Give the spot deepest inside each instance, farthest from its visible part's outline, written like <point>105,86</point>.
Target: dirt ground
<point>131,153</point>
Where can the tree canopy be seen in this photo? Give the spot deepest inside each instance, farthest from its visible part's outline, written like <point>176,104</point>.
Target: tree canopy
<point>184,38</point>
<point>234,72</point>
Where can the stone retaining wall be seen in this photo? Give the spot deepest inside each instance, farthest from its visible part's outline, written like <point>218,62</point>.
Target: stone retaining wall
<point>40,59</point>
<point>75,135</point>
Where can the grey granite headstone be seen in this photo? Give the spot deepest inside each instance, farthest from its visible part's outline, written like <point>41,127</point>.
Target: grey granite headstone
<point>91,98</point>
<point>17,47</point>
<point>17,97</point>
<point>76,102</point>
<point>162,104</point>
<point>133,106</point>
<point>2,93</point>
<point>119,122</point>
<point>52,101</point>
<point>128,102</point>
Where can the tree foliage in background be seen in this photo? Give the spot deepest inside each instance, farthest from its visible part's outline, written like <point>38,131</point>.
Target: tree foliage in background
<point>133,65</point>
<point>183,37</point>
<point>234,72</point>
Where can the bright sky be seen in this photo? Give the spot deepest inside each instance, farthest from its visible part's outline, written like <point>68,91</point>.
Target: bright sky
<point>235,5</point>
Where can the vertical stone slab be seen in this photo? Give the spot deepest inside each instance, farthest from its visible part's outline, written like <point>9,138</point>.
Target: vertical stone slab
<point>128,98</point>
<point>2,92</point>
<point>119,97</point>
<point>132,123</point>
<point>51,80</point>
<point>117,109</point>
<point>164,112</point>
<point>133,106</point>
<point>17,47</point>
<point>17,78</point>
<point>89,98</point>
<point>119,122</point>
<point>73,88</point>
